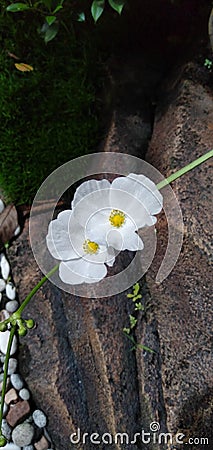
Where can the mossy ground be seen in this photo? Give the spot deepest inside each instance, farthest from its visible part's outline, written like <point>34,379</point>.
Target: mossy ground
<point>47,116</point>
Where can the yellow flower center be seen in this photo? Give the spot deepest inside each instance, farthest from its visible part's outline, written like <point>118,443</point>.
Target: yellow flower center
<point>117,218</point>
<point>90,247</point>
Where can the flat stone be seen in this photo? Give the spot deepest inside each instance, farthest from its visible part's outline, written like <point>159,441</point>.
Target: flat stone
<point>11,447</point>
<point>7,384</point>
<point>42,444</point>
<point>4,338</point>
<point>11,396</point>
<point>12,306</point>
<point>24,394</point>
<point>18,412</point>
<point>16,381</point>
<point>10,291</point>
<point>23,434</point>
<point>12,366</point>
<point>2,285</point>
<point>39,418</point>
<point>6,429</point>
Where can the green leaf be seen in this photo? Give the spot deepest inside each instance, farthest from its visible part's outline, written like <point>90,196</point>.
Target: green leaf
<point>144,347</point>
<point>81,17</point>
<point>139,307</point>
<point>50,20</point>
<point>133,321</point>
<point>16,7</point>
<point>117,5</point>
<point>130,295</point>
<point>57,9</point>
<point>137,297</point>
<point>136,288</point>
<point>50,33</point>
<point>97,9</point>
<point>126,330</point>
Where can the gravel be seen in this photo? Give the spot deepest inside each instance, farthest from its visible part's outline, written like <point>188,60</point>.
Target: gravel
<point>39,418</point>
<point>23,434</point>
<point>4,338</point>
<point>12,366</point>
<point>12,306</point>
<point>24,394</point>
<point>6,430</point>
<point>10,291</point>
<point>16,381</point>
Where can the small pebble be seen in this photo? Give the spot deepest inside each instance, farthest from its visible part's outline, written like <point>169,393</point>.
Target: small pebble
<point>5,409</point>
<point>0,296</point>
<point>1,206</point>
<point>24,394</point>
<point>2,285</point>
<point>39,418</point>
<point>10,291</point>
<point>4,315</point>
<point>6,430</point>
<point>17,413</point>
<point>11,396</point>
<point>16,381</point>
<point>42,444</point>
<point>28,447</point>
<point>23,434</point>
<point>17,230</point>
<point>12,366</point>
<point>11,447</point>
<point>12,306</point>
<point>5,268</point>
<point>4,338</point>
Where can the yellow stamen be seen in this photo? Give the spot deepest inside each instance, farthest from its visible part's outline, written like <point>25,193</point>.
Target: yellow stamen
<point>117,218</point>
<point>90,247</point>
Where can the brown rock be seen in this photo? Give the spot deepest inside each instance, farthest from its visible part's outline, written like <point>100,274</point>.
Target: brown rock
<point>18,413</point>
<point>11,396</point>
<point>182,303</point>
<point>42,444</point>
<point>7,384</point>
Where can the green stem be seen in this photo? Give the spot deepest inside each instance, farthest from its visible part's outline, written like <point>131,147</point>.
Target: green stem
<point>34,290</point>
<point>6,362</point>
<point>185,169</point>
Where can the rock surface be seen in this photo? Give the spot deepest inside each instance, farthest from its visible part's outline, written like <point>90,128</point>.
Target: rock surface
<point>77,362</point>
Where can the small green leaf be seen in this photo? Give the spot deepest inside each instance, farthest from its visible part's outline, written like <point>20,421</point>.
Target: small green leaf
<point>130,295</point>
<point>144,347</point>
<point>136,288</point>
<point>50,33</point>
<point>132,321</point>
<point>57,9</point>
<point>117,5</point>
<point>126,330</point>
<point>50,20</point>
<point>137,297</point>
<point>97,9</point>
<point>81,17</point>
<point>16,7</point>
<point>139,307</point>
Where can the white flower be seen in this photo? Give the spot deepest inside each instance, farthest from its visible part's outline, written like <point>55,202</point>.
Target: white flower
<point>5,268</point>
<point>112,213</point>
<point>83,260</point>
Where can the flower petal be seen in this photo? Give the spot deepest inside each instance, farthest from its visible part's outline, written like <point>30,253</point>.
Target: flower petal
<point>125,241</point>
<point>137,196</point>
<point>81,271</point>
<point>59,238</point>
<point>93,202</point>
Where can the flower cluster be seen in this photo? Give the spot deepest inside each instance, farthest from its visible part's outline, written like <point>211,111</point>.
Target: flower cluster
<point>103,220</point>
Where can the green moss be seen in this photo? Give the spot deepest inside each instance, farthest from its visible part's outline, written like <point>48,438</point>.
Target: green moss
<point>47,116</point>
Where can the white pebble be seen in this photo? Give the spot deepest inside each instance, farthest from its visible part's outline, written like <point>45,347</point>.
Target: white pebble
<point>4,338</point>
<point>11,447</point>
<point>23,434</point>
<point>12,306</point>
<point>24,394</point>
<point>1,206</point>
<point>10,291</point>
<point>2,285</point>
<point>17,230</point>
<point>5,268</point>
<point>12,366</point>
<point>6,430</point>
<point>5,409</point>
<point>39,418</point>
<point>0,296</point>
<point>28,447</point>
<point>16,381</point>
